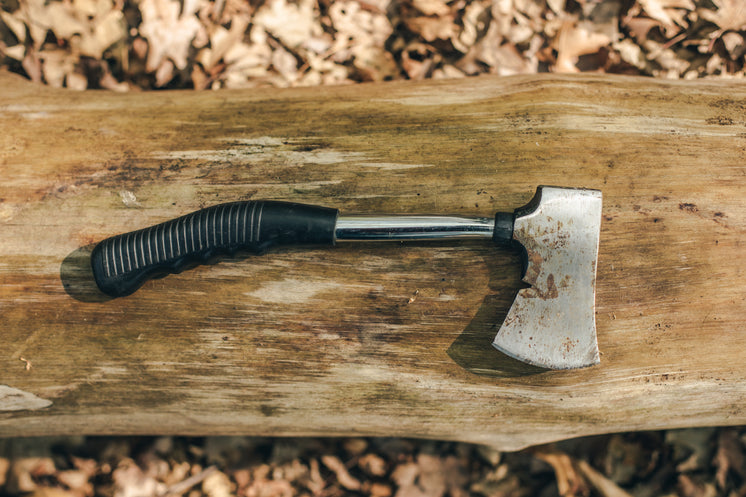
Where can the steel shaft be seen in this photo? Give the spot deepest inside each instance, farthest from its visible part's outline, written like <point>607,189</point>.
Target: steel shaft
<point>392,228</point>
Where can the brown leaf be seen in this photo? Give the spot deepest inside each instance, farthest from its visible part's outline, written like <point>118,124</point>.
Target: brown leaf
<point>569,481</point>
<point>316,482</point>
<point>32,65</point>
<point>576,40</point>
<point>432,28</point>
<point>689,488</point>
<point>431,7</point>
<point>164,73</point>
<point>291,23</point>
<point>217,484</point>
<point>601,483</point>
<point>340,470</point>
<point>56,66</point>
<point>169,29</point>
<point>130,481</point>
<point>379,490</point>
<point>728,14</point>
<point>473,22</point>
<point>670,13</point>
<point>76,480</point>
<point>432,477</point>
<point>22,472</point>
<point>729,457</point>
<point>372,465</point>
<point>16,25</point>
<point>734,44</point>
<point>417,60</point>
<point>639,27</point>
<point>4,465</point>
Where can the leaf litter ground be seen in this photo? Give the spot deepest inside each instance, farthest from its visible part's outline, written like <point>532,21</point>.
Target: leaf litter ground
<point>147,44</point>
<point>704,462</point>
<point>128,45</point>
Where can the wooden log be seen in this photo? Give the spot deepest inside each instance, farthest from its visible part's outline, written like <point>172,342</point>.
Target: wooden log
<point>371,339</point>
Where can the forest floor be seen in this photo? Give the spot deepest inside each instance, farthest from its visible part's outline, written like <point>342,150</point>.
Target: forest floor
<point>147,44</point>
<point>131,45</point>
<point>704,462</point>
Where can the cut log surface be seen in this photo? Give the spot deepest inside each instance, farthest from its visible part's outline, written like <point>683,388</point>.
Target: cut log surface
<point>371,339</point>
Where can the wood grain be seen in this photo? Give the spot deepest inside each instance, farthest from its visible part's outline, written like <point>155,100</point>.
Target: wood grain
<point>371,339</point>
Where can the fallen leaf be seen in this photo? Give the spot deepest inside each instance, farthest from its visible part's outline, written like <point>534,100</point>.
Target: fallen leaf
<point>601,483</point>
<point>372,465</point>
<point>436,8</point>
<point>432,28</point>
<point>690,488</point>
<point>169,29</point>
<point>217,484</point>
<point>340,471</point>
<point>379,490</point>
<point>417,60</point>
<point>286,64</point>
<point>576,40</point>
<point>729,457</point>
<point>164,73</point>
<point>130,481</point>
<point>4,465</point>
<point>24,470</point>
<point>473,24</point>
<point>729,15</point>
<point>291,23</point>
<point>569,481</point>
<point>16,25</point>
<point>670,13</point>
<point>76,81</point>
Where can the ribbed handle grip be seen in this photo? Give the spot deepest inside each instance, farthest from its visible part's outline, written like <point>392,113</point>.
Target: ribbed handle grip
<point>121,264</point>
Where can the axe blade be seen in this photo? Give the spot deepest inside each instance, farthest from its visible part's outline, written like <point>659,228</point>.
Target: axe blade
<point>552,324</point>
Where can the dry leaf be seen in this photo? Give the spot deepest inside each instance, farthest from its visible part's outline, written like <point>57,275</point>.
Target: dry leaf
<point>169,29</point>
<point>603,485</point>
<point>16,25</point>
<point>340,471</point>
<point>432,28</point>
<point>670,13</point>
<point>379,490</point>
<point>690,488</point>
<point>291,23</point>
<point>217,484</point>
<point>22,472</point>
<point>4,466</point>
<point>473,24</point>
<point>56,66</point>
<point>417,60</point>
<point>17,52</point>
<point>437,8</point>
<point>729,457</point>
<point>569,481</point>
<point>574,41</point>
<point>372,465</point>
<point>164,73</point>
<point>286,64</point>
<point>130,481</point>
<point>728,14</point>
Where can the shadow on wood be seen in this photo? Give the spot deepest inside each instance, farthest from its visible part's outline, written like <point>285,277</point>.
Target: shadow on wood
<point>472,349</point>
<point>76,276</point>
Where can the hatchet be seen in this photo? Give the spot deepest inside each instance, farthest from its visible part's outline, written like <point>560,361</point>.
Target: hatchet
<point>550,324</point>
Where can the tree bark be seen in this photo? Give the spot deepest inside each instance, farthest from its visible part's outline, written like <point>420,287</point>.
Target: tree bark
<point>371,339</point>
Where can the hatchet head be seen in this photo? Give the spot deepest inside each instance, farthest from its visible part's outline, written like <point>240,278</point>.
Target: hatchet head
<point>552,323</point>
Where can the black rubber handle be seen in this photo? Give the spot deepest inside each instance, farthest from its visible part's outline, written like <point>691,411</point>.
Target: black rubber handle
<point>121,264</point>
